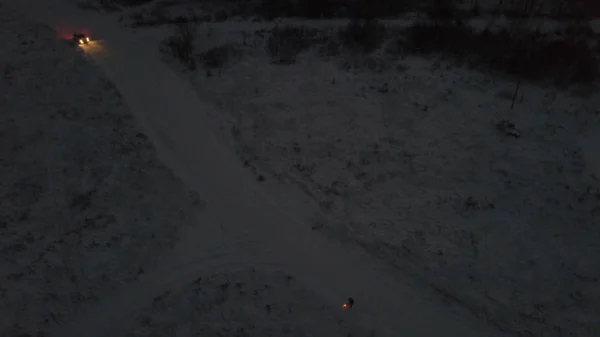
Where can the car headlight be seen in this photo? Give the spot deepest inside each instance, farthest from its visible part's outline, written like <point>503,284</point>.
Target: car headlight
<point>87,39</point>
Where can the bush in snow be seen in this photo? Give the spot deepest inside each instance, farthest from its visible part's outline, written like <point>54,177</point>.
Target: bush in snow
<point>312,9</point>
<point>98,5</point>
<point>131,3</point>
<point>327,9</point>
<point>181,45</point>
<point>284,44</point>
<point>363,35</point>
<point>527,54</point>
<point>219,56</point>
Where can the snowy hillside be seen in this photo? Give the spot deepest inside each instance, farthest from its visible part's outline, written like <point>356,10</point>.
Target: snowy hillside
<point>422,162</point>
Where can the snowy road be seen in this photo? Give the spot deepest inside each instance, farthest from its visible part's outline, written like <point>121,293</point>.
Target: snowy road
<point>252,229</point>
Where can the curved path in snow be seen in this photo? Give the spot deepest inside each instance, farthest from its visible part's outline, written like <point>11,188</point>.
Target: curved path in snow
<point>255,230</point>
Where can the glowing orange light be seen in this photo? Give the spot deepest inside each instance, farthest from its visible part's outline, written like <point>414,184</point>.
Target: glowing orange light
<point>345,306</point>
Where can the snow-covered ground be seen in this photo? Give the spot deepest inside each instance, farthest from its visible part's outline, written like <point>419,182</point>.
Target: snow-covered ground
<point>243,304</point>
<point>400,155</point>
<point>404,156</point>
<point>85,204</point>
<point>88,209</point>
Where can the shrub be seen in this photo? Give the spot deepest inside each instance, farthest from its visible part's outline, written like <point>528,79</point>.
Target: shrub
<point>330,47</point>
<point>432,37</point>
<point>130,3</point>
<point>311,9</point>
<point>181,44</point>
<point>369,9</point>
<point>363,35</point>
<point>271,9</point>
<point>284,44</point>
<point>326,9</point>
<point>96,5</point>
<point>527,54</point>
<point>219,56</point>
<point>442,9</point>
<point>317,9</point>
<point>570,61</point>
